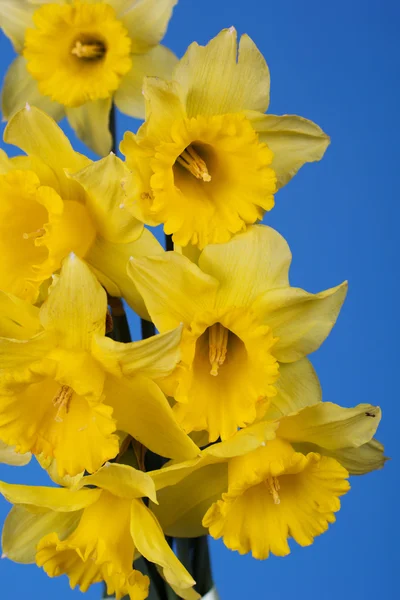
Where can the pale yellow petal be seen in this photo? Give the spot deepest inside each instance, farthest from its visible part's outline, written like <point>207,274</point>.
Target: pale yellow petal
<point>249,264</point>
<point>149,539</point>
<point>331,426</point>
<point>147,22</point>
<point>364,459</point>
<point>77,305</point>
<point>293,140</point>
<point>20,88</point>
<point>36,133</point>
<point>300,320</point>
<point>91,124</point>
<point>142,410</point>
<point>217,83</point>
<point>173,288</point>
<point>18,319</point>
<point>57,499</point>
<point>123,481</point>
<point>8,456</point>
<point>15,18</point>
<point>158,62</point>
<point>23,530</point>
<point>164,105</point>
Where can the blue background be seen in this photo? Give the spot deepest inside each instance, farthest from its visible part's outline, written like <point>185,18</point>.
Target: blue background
<point>336,63</point>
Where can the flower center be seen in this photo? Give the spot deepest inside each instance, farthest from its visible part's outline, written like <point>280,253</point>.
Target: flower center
<point>89,49</point>
<point>218,337</point>
<point>192,162</point>
<point>62,401</point>
<point>273,486</point>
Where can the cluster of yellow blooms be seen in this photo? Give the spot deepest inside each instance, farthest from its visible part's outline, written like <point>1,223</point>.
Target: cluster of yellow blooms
<point>225,389</point>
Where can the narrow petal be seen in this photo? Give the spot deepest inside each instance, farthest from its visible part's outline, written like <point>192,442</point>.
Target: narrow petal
<point>142,410</point>
<point>149,539</point>
<point>8,456</point>
<point>23,530</point>
<point>154,357</point>
<point>20,88</point>
<point>91,124</point>
<point>36,133</point>
<point>76,307</point>
<point>147,22</point>
<point>18,319</point>
<point>364,459</point>
<point>248,265</point>
<point>293,140</point>
<point>123,481</point>
<point>173,288</point>
<point>300,320</point>
<point>331,426</point>
<point>158,62</point>
<point>57,499</point>
<point>216,83</point>
<point>16,17</point>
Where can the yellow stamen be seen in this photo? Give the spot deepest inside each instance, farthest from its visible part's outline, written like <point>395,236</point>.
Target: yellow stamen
<point>91,50</point>
<point>33,234</point>
<point>273,488</point>
<point>218,346</point>
<point>190,160</point>
<point>62,400</point>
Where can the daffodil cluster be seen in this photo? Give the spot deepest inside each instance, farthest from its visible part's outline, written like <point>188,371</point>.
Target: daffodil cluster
<point>224,391</point>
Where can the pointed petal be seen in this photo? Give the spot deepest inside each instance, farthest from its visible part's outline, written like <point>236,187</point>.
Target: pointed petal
<point>20,88</point>
<point>331,426</point>
<point>36,133</point>
<point>158,62</point>
<point>18,319</point>
<point>8,456</point>
<point>249,264</point>
<point>149,540</point>
<point>23,530</point>
<point>17,354</point>
<point>77,305</point>
<point>142,410</point>
<point>16,17</point>
<point>173,288</point>
<point>164,105</point>
<point>104,182</point>
<point>293,140</point>
<point>123,481</point>
<point>154,357</point>
<point>57,499</point>
<point>300,320</point>
<point>364,459</point>
<point>147,22</point>
<point>91,124</point>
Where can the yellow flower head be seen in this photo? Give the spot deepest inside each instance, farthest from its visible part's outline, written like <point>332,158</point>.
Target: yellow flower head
<point>241,320</point>
<point>65,388</point>
<point>77,56</point>
<point>208,159</point>
<point>92,535</point>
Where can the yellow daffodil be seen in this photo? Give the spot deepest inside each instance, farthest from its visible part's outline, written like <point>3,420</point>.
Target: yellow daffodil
<point>241,321</point>
<point>78,56</point>
<point>55,201</point>
<point>93,534</point>
<point>271,481</point>
<point>66,390</point>
<point>208,158</point>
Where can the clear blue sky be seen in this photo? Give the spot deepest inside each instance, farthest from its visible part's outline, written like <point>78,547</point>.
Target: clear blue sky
<point>336,63</point>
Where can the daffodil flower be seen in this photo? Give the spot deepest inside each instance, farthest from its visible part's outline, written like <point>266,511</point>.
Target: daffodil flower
<point>271,481</point>
<point>66,390</point>
<point>55,201</point>
<point>76,57</point>
<point>93,534</point>
<point>241,321</point>
<point>208,159</point>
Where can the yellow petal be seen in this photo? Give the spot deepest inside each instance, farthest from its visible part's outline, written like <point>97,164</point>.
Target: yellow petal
<point>20,88</point>
<point>300,320</point>
<point>216,84</point>
<point>147,22</point>
<point>158,62</point>
<point>77,305</point>
<point>293,140</point>
<point>109,262</point>
<point>56,499</point>
<point>331,426</point>
<point>36,133</point>
<point>164,104</point>
<point>154,358</point>
<point>142,410</point>
<point>20,354</point>
<point>149,539</point>
<point>173,288</point>
<point>8,456</point>
<point>23,530</point>
<point>123,481</point>
<point>249,264</point>
<point>91,124</point>
<point>16,17</point>
<point>358,461</point>
<point>18,319</point>
<point>104,182</point>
